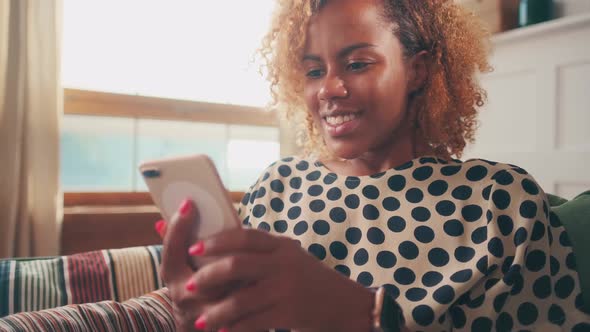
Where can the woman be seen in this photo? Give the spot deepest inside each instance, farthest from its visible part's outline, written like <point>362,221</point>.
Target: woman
<point>384,93</point>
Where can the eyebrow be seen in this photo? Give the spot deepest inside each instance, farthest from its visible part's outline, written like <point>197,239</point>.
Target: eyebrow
<point>342,53</point>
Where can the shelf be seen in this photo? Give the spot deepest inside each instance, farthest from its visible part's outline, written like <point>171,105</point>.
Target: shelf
<point>555,25</point>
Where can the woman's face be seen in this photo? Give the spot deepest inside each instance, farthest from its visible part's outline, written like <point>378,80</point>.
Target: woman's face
<point>356,80</point>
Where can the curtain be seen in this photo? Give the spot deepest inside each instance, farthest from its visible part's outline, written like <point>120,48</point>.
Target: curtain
<point>31,104</point>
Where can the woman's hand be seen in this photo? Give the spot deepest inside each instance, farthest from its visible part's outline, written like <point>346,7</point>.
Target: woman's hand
<point>280,284</point>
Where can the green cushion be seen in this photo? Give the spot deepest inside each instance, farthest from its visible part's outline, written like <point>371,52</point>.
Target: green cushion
<point>575,217</point>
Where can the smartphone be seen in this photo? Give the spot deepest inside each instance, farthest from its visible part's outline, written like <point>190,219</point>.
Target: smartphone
<point>172,180</point>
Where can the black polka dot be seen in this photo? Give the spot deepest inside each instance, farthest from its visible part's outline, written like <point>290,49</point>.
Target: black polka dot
<point>424,234</point>
<point>527,313</point>
<point>501,199</point>
<point>444,294</point>
<point>352,182</point>
<point>520,236</point>
<point>302,165</point>
<point>479,235</point>
<point>538,231</point>
<point>422,173</point>
<point>365,279</point>
<point>277,186</point>
<point>391,204</point>
<point>462,276</point>
<point>489,216</point>
<point>476,173</point>
<point>564,286</point>
<point>295,182</point>
<point>535,260</point>
<point>313,176</point>
<point>500,301</point>
<point>504,322</point>
<point>317,250</point>
<point>370,192</point>
<point>438,257</point>
<point>334,194</point>
<point>277,204</point>
<point>330,178</point>
<point>300,228</point>
<point>491,283</point>
<point>353,235</point>
<point>343,269</point>
<point>317,205</point>
<point>361,257</point>
<point>280,226</point>
<point>396,183</point>
<point>391,290</point>
<point>377,175</point>
<point>505,224</point>
<point>414,195</point>
<point>423,315</point>
<point>462,193</point>
<point>431,278</point>
<point>438,188</point>
<point>485,193</point>
<point>421,214</point>
<point>482,324</point>
<point>246,199</point>
<point>471,213</point>
<point>581,327</point>
<point>404,276</point>
<point>476,302</point>
<point>396,224</point>
<point>542,287</point>
<point>338,250</point>
<point>258,211</point>
<point>564,239</point>
<point>375,236</point>
<point>415,294</point>
<point>458,317</point>
<point>530,187</point>
<point>406,165</point>
<point>556,315</point>
<point>464,254</point>
<point>453,227</point>
<point>315,190</point>
<point>450,170</point>
<point>338,215</point>
<point>294,212</point>
<point>503,177</point>
<point>370,212</point>
<point>284,170</point>
<point>445,208</point>
<point>408,250</point>
<point>264,226</point>
<point>507,264</point>
<point>295,197</point>
<point>528,209</point>
<point>321,227</point>
<point>386,259</point>
<point>554,266</point>
<point>261,192</point>
<point>495,247</point>
<point>570,261</point>
<point>352,201</point>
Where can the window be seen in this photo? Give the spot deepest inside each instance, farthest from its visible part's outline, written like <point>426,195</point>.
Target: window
<point>146,80</point>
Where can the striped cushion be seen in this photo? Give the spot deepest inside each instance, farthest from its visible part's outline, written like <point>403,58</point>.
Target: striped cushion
<point>116,274</point>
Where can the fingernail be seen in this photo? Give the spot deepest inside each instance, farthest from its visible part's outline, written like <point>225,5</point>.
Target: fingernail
<point>185,207</point>
<point>159,226</point>
<point>196,249</point>
<point>191,285</point>
<point>200,324</point>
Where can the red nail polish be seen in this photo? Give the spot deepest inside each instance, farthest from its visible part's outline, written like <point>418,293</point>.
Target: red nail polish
<point>191,286</point>
<point>200,324</point>
<point>185,207</point>
<point>159,226</point>
<point>196,249</point>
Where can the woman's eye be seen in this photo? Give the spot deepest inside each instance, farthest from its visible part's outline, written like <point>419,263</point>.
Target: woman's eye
<point>354,66</point>
<point>314,73</point>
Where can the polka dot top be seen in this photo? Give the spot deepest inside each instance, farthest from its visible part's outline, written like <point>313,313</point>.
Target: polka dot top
<point>462,246</point>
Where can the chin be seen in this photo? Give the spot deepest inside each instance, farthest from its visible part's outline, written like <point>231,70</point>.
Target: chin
<point>345,150</point>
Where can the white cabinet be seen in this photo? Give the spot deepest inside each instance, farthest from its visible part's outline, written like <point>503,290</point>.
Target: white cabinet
<point>538,111</point>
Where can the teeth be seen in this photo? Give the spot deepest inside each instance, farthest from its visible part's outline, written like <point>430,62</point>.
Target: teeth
<point>340,119</point>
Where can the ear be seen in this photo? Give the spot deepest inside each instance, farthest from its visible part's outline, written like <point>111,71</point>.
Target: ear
<point>417,72</point>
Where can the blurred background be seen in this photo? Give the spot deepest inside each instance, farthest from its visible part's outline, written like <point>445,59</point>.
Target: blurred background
<point>95,87</point>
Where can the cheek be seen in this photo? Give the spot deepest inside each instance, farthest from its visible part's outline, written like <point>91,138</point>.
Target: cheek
<point>310,97</point>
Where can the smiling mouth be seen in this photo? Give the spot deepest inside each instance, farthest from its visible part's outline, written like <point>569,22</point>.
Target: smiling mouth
<point>336,120</point>
<point>341,124</point>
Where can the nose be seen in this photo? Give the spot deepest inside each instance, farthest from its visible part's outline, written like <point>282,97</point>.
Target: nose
<point>332,87</point>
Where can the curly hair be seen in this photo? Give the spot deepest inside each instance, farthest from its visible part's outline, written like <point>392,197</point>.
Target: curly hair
<point>457,47</point>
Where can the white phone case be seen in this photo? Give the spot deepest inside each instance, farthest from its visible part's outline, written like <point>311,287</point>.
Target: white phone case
<point>172,180</point>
